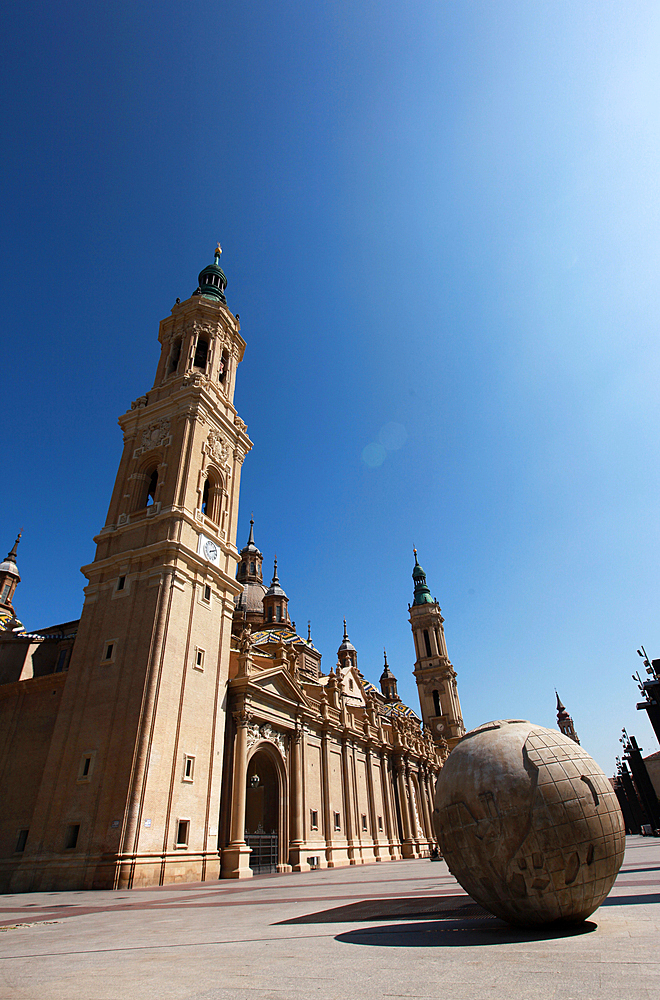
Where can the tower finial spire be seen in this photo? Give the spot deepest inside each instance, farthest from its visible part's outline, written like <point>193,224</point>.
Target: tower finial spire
<point>250,540</point>
<point>345,632</point>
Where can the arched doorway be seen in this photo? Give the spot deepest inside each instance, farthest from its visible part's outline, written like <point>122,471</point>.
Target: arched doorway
<point>262,812</point>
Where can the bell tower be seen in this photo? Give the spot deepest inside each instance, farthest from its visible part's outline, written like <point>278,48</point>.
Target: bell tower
<point>131,789</point>
<point>435,676</point>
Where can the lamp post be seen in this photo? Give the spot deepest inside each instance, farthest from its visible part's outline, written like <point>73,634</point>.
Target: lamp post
<point>650,689</point>
<point>633,754</point>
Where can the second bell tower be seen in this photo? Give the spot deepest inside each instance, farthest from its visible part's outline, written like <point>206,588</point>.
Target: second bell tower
<point>435,676</point>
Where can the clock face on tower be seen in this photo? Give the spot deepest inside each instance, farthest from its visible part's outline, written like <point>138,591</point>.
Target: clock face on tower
<point>207,548</point>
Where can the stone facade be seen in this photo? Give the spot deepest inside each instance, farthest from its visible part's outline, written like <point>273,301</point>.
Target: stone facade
<point>182,730</point>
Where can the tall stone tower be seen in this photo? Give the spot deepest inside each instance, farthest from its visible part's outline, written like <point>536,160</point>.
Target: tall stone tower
<point>131,789</point>
<point>565,722</point>
<point>435,676</point>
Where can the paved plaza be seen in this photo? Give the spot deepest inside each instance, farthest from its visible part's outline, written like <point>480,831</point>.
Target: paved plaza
<point>402,930</point>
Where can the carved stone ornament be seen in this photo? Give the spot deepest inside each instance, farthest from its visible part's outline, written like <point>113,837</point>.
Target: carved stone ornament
<point>138,403</point>
<point>217,447</point>
<point>242,426</point>
<point>154,435</point>
<point>255,733</point>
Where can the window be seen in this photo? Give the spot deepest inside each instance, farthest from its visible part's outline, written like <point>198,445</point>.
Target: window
<point>86,766</point>
<point>337,821</point>
<point>252,568</point>
<point>350,685</point>
<point>71,838</point>
<point>199,658</point>
<point>151,491</point>
<point>380,823</point>
<point>5,591</point>
<point>188,768</point>
<point>223,367</point>
<point>212,496</point>
<point>278,613</point>
<point>174,357</point>
<point>182,833</point>
<point>109,650</point>
<point>313,819</point>
<point>121,583</point>
<point>62,660</point>
<point>270,614</point>
<point>364,823</point>
<point>436,703</point>
<point>201,354</point>
<point>207,593</point>
<point>22,840</point>
<point>427,642</point>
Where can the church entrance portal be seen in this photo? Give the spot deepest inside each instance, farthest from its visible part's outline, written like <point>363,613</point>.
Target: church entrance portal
<point>262,813</point>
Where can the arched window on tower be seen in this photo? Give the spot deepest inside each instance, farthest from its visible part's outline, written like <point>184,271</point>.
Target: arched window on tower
<point>212,496</point>
<point>151,492</point>
<point>223,367</point>
<point>427,642</point>
<point>174,357</point>
<point>201,354</point>
<point>436,703</point>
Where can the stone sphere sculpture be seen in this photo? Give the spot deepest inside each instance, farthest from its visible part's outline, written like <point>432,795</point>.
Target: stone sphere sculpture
<point>528,823</point>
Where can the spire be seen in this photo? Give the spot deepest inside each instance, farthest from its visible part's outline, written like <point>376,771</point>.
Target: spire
<point>9,580</point>
<point>275,588</point>
<point>387,673</point>
<point>564,721</point>
<point>422,592</point>
<point>250,540</point>
<point>212,281</point>
<point>347,649</point>
<point>9,565</point>
<point>388,682</point>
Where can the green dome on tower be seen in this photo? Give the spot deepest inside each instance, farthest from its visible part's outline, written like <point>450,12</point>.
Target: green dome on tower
<point>422,592</point>
<point>212,281</point>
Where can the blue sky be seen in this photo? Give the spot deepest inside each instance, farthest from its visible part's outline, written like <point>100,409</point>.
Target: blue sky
<point>440,229</point>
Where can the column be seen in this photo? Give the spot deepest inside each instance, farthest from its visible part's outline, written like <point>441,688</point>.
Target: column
<point>390,818</point>
<point>348,804</point>
<point>296,846</point>
<point>407,847</point>
<point>236,856</point>
<point>372,805</point>
<point>327,818</point>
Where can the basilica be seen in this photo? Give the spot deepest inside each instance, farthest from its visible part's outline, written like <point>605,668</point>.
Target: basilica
<point>181,730</point>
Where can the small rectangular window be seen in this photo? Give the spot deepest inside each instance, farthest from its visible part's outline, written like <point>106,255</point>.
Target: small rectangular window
<point>364,822</point>
<point>188,768</point>
<point>207,592</point>
<point>182,832</point>
<point>313,819</point>
<point>337,824</point>
<point>121,583</point>
<point>199,658</point>
<point>86,766</point>
<point>22,840</point>
<point>71,838</point>
<point>380,823</point>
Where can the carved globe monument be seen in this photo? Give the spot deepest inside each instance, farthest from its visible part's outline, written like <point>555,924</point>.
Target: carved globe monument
<point>528,823</point>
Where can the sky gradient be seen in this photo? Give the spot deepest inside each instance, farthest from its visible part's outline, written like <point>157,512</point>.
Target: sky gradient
<point>440,229</point>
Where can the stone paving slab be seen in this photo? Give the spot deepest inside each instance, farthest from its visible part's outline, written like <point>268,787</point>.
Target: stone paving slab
<point>391,930</point>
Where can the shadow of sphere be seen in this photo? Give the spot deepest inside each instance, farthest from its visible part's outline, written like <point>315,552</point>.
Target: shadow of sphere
<point>460,933</point>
